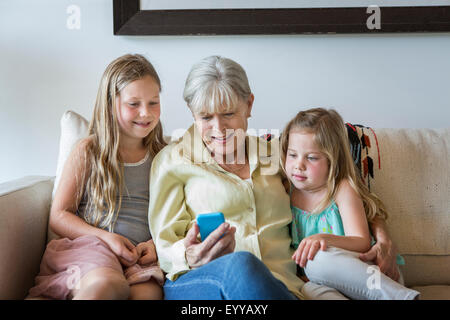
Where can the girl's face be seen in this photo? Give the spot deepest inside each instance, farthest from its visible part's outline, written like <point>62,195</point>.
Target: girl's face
<point>306,166</point>
<point>224,132</point>
<point>138,108</point>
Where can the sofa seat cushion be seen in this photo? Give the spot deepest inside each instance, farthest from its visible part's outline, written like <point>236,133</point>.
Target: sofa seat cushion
<point>425,270</point>
<point>433,292</point>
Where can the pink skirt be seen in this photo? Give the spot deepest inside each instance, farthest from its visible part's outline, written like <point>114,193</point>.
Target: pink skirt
<point>66,261</point>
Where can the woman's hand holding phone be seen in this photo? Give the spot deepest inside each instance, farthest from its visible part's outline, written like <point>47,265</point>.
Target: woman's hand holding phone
<point>219,242</point>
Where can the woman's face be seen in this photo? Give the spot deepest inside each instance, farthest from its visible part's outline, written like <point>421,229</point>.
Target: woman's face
<point>224,132</point>
<point>138,108</point>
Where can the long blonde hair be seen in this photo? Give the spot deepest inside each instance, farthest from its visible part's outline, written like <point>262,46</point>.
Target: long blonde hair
<point>330,136</point>
<point>105,179</point>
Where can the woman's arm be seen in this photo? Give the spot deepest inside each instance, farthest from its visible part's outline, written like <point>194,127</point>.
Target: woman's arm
<point>170,221</point>
<point>218,243</point>
<point>384,252</point>
<point>167,216</point>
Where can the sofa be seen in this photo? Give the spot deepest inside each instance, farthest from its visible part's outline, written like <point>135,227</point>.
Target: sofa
<point>409,169</point>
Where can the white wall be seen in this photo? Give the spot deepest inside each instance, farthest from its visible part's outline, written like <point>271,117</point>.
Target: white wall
<point>398,80</point>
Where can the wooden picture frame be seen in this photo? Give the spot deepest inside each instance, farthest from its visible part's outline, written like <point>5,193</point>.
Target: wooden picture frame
<point>129,19</point>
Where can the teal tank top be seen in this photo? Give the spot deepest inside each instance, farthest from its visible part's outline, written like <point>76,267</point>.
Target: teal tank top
<point>305,224</point>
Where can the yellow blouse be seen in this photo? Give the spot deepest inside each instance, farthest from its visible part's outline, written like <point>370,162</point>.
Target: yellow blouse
<point>186,181</point>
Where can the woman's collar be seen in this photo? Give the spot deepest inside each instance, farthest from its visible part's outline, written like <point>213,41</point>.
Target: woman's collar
<point>259,151</point>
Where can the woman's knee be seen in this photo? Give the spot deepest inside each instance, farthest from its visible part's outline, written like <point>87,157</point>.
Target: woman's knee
<point>242,257</point>
<point>247,267</point>
<point>244,261</point>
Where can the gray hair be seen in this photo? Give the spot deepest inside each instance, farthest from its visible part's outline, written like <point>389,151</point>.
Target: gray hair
<point>216,84</point>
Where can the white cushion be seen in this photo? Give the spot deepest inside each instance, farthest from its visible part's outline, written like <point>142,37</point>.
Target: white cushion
<point>73,128</point>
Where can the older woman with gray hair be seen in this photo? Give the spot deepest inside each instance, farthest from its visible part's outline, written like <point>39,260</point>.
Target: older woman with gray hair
<point>217,167</point>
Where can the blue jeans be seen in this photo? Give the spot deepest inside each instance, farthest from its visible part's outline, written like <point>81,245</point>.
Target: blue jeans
<point>235,276</point>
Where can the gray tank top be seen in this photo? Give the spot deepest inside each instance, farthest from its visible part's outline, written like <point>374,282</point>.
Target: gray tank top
<point>132,221</point>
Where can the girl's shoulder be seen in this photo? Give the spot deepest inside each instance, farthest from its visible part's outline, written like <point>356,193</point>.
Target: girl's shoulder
<point>81,148</point>
<point>86,141</point>
<point>348,199</point>
<point>345,191</point>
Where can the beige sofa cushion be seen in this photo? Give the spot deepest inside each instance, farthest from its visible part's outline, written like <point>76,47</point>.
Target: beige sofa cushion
<point>421,270</point>
<point>433,292</point>
<point>414,183</point>
<point>24,207</point>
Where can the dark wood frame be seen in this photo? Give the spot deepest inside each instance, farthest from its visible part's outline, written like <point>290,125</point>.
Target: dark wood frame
<point>130,20</point>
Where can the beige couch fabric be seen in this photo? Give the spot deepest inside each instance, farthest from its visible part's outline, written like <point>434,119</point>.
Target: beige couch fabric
<point>24,209</point>
<point>414,183</point>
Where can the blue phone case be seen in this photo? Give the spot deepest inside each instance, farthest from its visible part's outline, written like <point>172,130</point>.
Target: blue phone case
<point>208,222</point>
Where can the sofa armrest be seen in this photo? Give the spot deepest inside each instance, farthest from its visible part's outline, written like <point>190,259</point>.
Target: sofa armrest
<point>24,210</point>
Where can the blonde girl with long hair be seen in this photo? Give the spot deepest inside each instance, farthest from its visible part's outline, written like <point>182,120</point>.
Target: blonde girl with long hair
<point>100,208</point>
<point>331,208</point>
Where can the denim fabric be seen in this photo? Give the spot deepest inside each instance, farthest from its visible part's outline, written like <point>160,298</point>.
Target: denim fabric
<point>235,276</point>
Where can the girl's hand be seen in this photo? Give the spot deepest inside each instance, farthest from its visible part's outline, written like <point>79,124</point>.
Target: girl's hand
<point>122,247</point>
<point>219,242</point>
<point>147,252</point>
<point>308,248</point>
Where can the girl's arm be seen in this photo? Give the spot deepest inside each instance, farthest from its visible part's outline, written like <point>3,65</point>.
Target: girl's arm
<point>357,236</point>
<point>354,220</point>
<point>147,252</point>
<point>63,220</point>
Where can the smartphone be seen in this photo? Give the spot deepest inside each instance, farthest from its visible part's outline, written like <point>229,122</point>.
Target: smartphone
<point>208,222</point>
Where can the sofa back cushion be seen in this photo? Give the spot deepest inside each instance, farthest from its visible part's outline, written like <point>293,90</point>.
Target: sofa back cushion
<point>409,170</point>
<point>411,176</point>
<point>73,128</point>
